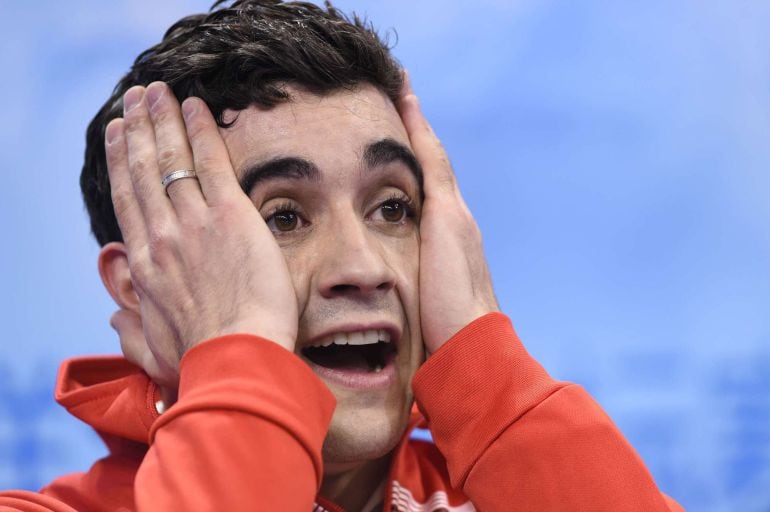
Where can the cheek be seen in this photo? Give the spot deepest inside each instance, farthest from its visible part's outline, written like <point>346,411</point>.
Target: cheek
<point>299,261</point>
<point>401,254</point>
<point>404,258</point>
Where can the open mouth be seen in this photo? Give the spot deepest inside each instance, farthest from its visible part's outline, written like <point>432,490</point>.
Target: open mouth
<point>363,351</point>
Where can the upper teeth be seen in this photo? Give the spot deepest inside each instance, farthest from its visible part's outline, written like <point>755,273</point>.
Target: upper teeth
<point>354,338</point>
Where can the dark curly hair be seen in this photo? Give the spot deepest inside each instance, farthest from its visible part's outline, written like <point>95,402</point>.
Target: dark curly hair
<point>236,56</point>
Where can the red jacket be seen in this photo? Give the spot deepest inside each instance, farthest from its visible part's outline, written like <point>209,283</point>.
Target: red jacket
<point>507,436</point>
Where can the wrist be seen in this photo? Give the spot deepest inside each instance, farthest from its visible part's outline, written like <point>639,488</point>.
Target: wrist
<point>436,337</point>
<point>286,338</point>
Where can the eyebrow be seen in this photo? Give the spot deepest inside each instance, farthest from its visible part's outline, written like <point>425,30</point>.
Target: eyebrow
<point>388,150</point>
<point>376,154</point>
<point>288,167</point>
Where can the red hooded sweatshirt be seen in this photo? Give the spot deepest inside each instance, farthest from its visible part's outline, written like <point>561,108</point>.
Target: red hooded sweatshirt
<point>507,436</point>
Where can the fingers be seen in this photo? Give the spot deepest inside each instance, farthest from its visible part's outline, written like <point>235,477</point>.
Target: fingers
<point>159,141</point>
<point>142,158</point>
<point>438,175</point>
<point>124,201</point>
<point>173,150</point>
<point>212,161</point>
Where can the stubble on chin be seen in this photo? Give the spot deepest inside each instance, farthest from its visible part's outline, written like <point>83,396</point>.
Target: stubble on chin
<point>360,436</point>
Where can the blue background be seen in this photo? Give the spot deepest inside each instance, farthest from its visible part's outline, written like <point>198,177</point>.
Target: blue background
<point>615,154</point>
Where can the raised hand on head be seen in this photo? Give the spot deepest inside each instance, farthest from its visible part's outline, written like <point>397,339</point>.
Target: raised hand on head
<point>455,285</point>
<point>202,261</point>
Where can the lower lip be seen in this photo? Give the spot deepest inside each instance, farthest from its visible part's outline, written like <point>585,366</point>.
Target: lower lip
<point>358,379</point>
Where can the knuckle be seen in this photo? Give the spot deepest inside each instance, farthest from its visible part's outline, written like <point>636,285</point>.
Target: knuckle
<point>141,165</point>
<point>187,307</point>
<point>121,203</point>
<point>143,187</point>
<point>139,269</point>
<point>229,211</point>
<point>160,239</point>
<point>160,113</point>
<point>119,194</point>
<point>193,226</point>
<point>168,156</point>
<point>134,124</point>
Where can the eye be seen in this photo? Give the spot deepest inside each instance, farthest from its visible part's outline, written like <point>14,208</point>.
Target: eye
<point>284,219</point>
<point>393,210</point>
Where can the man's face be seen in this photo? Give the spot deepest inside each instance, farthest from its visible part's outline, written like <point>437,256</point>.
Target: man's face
<point>336,182</point>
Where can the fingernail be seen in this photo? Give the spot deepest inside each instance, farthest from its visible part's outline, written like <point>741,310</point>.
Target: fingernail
<point>154,93</point>
<point>113,131</point>
<point>132,97</point>
<point>189,108</point>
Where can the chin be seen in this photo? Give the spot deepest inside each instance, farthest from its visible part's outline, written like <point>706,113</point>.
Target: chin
<point>360,433</point>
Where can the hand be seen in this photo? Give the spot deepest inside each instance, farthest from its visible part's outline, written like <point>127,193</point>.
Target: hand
<point>202,260</point>
<point>128,325</point>
<point>455,286</point>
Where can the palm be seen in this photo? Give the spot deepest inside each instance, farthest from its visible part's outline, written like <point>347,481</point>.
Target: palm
<point>455,286</point>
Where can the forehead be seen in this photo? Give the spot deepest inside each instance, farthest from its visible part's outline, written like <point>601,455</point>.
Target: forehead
<point>330,130</point>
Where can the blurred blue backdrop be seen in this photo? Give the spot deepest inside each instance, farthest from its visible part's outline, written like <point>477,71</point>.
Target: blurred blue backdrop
<point>615,154</point>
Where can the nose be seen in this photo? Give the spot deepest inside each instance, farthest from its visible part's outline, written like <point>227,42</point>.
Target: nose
<point>353,263</point>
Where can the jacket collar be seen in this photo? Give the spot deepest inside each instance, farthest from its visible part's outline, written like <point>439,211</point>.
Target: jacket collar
<point>110,394</point>
<point>118,399</point>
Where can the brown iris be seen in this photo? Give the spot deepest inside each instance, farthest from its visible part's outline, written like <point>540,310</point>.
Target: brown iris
<point>392,211</point>
<point>285,221</point>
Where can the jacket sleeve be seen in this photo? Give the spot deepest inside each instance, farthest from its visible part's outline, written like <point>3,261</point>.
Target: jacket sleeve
<point>515,439</point>
<point>246,433</point>
<point>26,501</point>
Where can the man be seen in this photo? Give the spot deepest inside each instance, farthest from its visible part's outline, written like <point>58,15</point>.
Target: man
<point>295,266</point>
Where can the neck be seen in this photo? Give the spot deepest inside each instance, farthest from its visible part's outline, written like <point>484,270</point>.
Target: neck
<point>352,485</point>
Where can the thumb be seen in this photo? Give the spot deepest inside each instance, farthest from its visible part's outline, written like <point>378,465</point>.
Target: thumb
<point>133,343</point>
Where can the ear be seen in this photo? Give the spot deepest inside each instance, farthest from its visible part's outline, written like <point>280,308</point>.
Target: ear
<point>113,268</point>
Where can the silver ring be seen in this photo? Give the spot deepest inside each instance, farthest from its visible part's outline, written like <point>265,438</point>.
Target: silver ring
<point>171,177</point>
